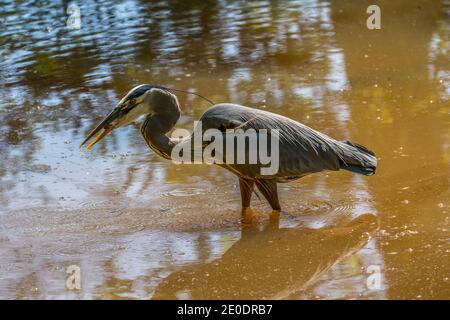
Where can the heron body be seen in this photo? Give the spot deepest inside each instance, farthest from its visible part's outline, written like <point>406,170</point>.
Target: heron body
<point>302,150</point>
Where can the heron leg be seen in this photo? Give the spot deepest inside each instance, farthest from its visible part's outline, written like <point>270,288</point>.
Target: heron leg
<point>268,187</point>
<point>246,187</point>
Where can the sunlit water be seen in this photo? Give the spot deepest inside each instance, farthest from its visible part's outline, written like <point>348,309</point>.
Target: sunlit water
<point>142,227</point>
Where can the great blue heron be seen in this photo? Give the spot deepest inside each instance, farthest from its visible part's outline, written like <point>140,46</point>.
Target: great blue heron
<point>302,150</point>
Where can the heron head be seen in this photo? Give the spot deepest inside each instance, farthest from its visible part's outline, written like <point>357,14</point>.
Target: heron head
<point>139,101</point>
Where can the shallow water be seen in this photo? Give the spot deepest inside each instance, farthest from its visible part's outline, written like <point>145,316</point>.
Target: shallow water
<point>141,227</point>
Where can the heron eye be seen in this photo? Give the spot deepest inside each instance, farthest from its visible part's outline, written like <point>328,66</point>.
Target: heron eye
<point>132,102</point>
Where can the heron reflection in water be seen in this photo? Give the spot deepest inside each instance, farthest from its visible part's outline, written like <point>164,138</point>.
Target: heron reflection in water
<point>273,263</point>
<point>302,150</point>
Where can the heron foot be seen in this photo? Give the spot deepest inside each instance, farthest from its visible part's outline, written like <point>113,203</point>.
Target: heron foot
<point>274,219</point>
<point>248,216</point>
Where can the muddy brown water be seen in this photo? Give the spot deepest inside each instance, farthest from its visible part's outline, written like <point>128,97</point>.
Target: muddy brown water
<point>139,226</point>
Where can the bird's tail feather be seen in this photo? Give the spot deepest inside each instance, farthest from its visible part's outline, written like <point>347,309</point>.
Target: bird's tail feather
<point>358,159</point>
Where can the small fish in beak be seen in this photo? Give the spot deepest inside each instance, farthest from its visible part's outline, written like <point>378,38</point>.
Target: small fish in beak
<point>105,127</point>
<point>100,136</point>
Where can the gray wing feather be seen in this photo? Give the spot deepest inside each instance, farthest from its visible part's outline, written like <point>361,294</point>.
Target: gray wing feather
<point>302,149</point>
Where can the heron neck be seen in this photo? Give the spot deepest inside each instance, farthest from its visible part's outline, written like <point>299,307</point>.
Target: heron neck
<point>155,129</point>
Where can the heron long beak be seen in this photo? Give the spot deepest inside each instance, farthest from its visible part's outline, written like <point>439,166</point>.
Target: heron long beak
<point>106,127</point>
